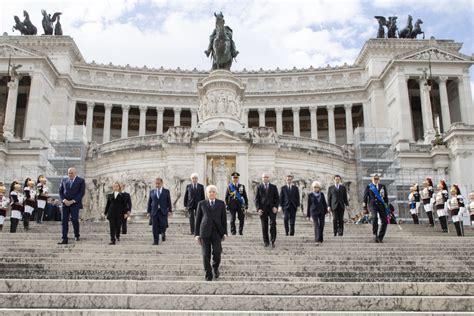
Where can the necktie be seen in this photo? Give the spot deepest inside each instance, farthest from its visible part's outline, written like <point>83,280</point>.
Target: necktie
<point>212,204</point>
<point>266,187</point>
<point>69,182</point>
<point>158,193</point>
<point>194,186</point>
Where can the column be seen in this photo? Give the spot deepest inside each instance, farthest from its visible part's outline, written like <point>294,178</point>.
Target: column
<point>331,124</point>
<point>177,116</point>
<point>443,96</point>
<point>426,112</point>
<point>245,117</point>
<point>296,122</point>
<point>89,120</point>
<point>279,122</point>
<point>107,117</point>
<point>159,120</point>
<point>349,128</point>
<point>125,110</point>
<point>465,101</point>
<point>142,124</point>
<point>35,113</point>
<point>405,120</point>
<point>366,114</point>
<point>10,112</point>
<point>261,117</point>
<point>193,117</point>
<point>314,121</point>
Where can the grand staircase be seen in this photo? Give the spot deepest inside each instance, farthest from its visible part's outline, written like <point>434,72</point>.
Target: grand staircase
<point>418,270</point>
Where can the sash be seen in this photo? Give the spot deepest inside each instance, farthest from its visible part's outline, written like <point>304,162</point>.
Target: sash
<point>377,195</point>
<point>234,192</point>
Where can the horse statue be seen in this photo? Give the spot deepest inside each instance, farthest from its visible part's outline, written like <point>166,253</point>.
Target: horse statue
<point>221,45</point>
<point>392,27</point>
<point>48,22</point>
<point>382,22</point>
<point>406,32</point>
<point>25,27</point>
<point>417,29</point>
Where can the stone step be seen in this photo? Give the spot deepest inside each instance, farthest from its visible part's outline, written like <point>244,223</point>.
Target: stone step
<point>237,302</point>
<point>235,287</point>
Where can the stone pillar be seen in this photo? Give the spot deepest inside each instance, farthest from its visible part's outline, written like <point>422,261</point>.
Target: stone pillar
<point>426,111</point>
<point>331,124</point>
<point>261,117</point>
<point>89,120</point>
<point>366,114</point>
<point>34,109</point>
<point>465,101</point>
<point>279,120</point>
<point>245,117</point>
<point>296,122</point>
<point>10,112</point>
<point>314,122</point>
<point>159,120</point>
<point>177,116</point>
<point>443,96</point>
<point>405,120</point>
<point>125,109</point>
<point>107,118</point>
<point>193,117</point>
<point>142,124</point>
<point>349,128</point>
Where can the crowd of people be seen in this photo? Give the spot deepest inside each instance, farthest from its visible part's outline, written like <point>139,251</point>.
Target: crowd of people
<point>208,214</point>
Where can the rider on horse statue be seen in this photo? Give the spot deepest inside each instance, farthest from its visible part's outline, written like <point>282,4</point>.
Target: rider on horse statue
<point>228,32</point>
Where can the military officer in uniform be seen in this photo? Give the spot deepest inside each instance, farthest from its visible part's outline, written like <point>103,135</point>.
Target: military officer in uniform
<point>237,203</point>
<point>376,200</point>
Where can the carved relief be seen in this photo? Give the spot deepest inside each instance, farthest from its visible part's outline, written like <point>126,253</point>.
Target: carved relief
<point>219,103</point>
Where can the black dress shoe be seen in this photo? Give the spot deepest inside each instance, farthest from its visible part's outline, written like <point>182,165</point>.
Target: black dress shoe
<point>77,239</point>
<point>240,233</point>
<point>380,241</point>
<point>163,238</point>
<point>63,242</point>
<point>266,245</point>
<point>216,273</point>
<point>112,243</point>
<point>233,233</point>
<point>155,243</point>
<point>377,240</point>
<point>273,244</point>
<point>209,278</point>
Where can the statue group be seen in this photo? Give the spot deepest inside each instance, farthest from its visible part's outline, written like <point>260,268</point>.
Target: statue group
<point>410,31</point>
<point>27,28</point>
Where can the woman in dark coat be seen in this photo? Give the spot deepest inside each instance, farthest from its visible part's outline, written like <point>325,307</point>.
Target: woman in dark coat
<point>316,211</point>
<point>115,211</point>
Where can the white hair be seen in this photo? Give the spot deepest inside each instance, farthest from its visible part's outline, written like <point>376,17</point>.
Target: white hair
<point>265,175</point>
<point>210,188</point>
<point>194,175</point>
<point>316,184</point>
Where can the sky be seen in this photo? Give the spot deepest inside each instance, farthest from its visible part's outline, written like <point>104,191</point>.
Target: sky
<point>268,34</point>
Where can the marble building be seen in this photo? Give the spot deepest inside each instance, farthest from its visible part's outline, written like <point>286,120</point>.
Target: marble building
<point>114,122</point>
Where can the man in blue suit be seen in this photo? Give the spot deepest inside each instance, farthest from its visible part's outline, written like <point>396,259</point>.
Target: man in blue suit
<point>159,207</point>
<point>71,191</point>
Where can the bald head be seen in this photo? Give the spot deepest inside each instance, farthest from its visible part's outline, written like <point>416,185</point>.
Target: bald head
<point>71,173</point>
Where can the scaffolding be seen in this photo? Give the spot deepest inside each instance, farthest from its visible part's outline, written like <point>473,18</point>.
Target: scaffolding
<point>375,154</point>
<point>67,148</point>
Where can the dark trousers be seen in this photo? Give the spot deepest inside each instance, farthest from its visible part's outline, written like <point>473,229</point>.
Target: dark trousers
<point>375,225</point>
<point>338,220</point>
<point>158,223</point>
<point>124,225</point>
<point>415,218</point>
<point>26,220</point>
<point>459,228</point>
<point>443,221</point>
<point>192,219</point>
<point>212,244</point>
<point>289,218</point>
<point>318,222</point>
<point>39,215</point>
<point>115,223</point>
<point>241,215</point>
<point>73,212</point>
<point>430,218</point>
<point>266,216</point>
<point>13,224</point>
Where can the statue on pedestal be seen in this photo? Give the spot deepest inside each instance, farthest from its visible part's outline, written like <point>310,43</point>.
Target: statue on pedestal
<point>25,27</point>
<point>48,23</point>
<point>221,45</point>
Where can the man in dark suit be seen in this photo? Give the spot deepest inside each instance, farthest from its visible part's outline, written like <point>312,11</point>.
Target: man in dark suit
<point>193,195</point>
<point>128,201</point>
<point>376,200</point>
<point>337,202</point>
<point>71,191</point>
<point>159,207</point>
<point>289,202</point>
<point>237,203</point>
<point>211,230</point>
<point>266,202</point>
